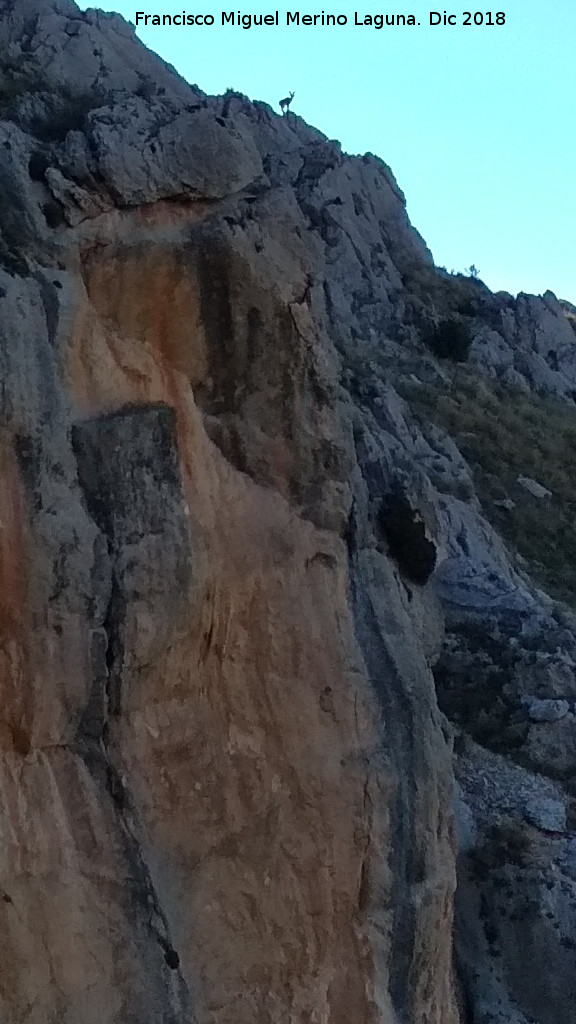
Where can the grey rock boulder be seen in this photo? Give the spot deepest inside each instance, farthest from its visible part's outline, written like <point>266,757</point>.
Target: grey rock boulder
<point>534,488</point>
<point>546,710</point>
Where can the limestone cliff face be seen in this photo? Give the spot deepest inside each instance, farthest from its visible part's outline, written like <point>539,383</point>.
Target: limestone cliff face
<point>226,554</point>
<point>225,785</point>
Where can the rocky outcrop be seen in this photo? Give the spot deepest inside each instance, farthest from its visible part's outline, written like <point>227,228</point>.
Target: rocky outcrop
<point>516,896</point>
<point>229,562</point>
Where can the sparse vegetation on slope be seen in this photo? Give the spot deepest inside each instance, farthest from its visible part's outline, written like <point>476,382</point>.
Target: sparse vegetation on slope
<point>505,434</point>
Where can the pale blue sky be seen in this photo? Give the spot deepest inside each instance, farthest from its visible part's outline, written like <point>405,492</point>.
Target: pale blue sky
<point>477,123</point>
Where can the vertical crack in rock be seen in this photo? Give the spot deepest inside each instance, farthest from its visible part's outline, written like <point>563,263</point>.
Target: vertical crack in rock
<point>128,470</point>
<point>406,861</point>
<point>114,657</point>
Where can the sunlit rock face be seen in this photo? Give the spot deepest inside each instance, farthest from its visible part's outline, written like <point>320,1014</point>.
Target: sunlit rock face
<point>226,554</point>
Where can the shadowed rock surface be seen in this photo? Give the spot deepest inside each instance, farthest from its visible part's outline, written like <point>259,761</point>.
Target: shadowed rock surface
<point>250,596</point>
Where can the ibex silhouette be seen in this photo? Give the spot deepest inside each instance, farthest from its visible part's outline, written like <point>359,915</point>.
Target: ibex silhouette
<point>285,103</point>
